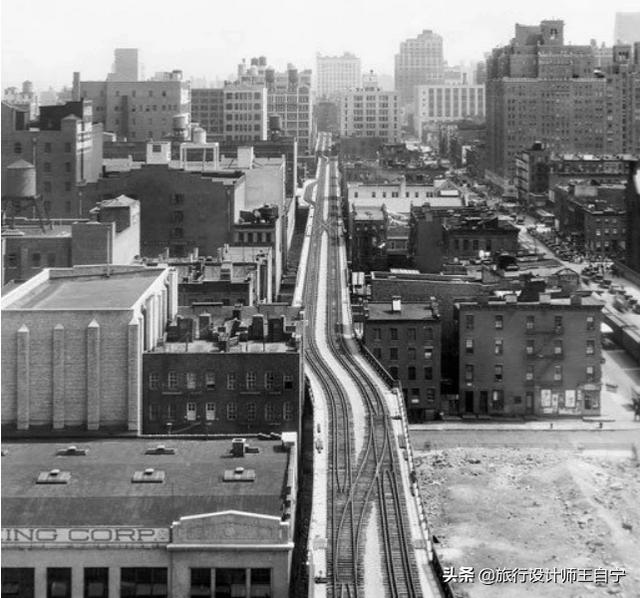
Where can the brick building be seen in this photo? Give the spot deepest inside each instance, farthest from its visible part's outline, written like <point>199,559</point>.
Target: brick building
<point>235,370</point>
<point>207,109</point>
<point>464,237</point>
<point>65,148</point>
<point>368,238</point>
<point>529,355</point>
<point>126,517</point>
<point>112,237</point>
<point>72,346</point>
<point>594,216</point>
<point>405,338</point>
<point>137,110</point>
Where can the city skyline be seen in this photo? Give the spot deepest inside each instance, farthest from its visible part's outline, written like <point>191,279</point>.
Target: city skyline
<point>212,47</point>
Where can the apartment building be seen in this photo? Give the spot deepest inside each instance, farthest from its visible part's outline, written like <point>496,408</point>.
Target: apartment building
<point>336,74</point>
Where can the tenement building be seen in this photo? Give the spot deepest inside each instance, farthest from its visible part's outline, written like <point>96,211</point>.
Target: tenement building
<point>405,338</point>
<point>226,370</point>
<point>123,518</point>
<point>530,354</point>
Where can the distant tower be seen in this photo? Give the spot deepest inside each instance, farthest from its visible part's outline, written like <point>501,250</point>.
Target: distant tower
<point>126,66</point>
<point>419,62</point>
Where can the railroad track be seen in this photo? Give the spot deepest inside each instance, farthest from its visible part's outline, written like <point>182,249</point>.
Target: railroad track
<point>355,483</point>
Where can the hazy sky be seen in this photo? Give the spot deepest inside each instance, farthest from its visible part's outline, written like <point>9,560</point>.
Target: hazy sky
<point>45,41</point>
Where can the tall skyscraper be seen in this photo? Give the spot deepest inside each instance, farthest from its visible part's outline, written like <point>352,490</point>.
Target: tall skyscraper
<point>337,74</point>
<point>126,66</point>
<point>627,28</point>
<point>539,89</point>
<point>419,62</point>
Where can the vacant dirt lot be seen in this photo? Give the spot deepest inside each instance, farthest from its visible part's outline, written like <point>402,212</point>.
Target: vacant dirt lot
<point>535,507</point>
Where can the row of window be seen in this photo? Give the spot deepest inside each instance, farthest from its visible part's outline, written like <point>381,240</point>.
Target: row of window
<point>151,582</point>
<point>47,147</point>
<point>411,353</point>
<point>271,412</point>
<point>396,194</point>
<point>558,347</point>
<point>498,373</point>
<point>260,237</point>
<point>192,381</point>
<point>411,334</point>
<point>529,323</point>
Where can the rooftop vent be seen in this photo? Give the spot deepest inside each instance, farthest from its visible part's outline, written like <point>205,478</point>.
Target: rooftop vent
<point>54,476</point>
<point>148,476</point>
<point>161,449</point>
<point>238,446</point>
<point>396,304</point>
<point>72,451</point>
<point>239,474</point>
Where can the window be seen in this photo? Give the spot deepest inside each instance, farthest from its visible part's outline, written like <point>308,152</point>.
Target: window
<point>47,166</point>
<point>192,380</point>
<point>143,581</point>
<point>178,216</point>
<point>411,353</point>
<point>171,411</point>
<point>428,373</point>
<point>498,346</point>
<point>12,260</point>
<point>557,373</point>
<point>191,412</point>
<point>172,380</point>
<point>210,380</point>
<point>269,380</point>
<point>393,354</point>
<point>232,411</point>
<point>287,380</point>
<point>250,380</point>
<point>231,583</point>
<point>468,346</point>
<point>428,353</point>
<point>59,582</point>
<point>530,347</point>
<point>411,372</point>
<point>591,373</point>
<point>531,322</point>
<point>154,380</point>
<point>499,322</point>
<point>393,372</point>
<point>497,373</point>
<point>529,373</point>
<point>178,198</point>
<point>497,400</point>
<point>47,147</point>
<point>591,324</point>
<point>269,412</point>
<point>557,324</point>
<point>67,186</point>
<point>468,372</point>
<point>210,411</point>
<point>469,322</point>
<point>411,334</point>
<point>591,347</point>
<point>200,582</point>
<point>36,260</point>
<point>251,411</point>
<point>394,334</point>
<point>18,582</point>
<point>231,381</point>
<point>67,166</point>
<point>557,347</point>
<point>428,335</point>
<point>17,148</point>
<point>287,411</point>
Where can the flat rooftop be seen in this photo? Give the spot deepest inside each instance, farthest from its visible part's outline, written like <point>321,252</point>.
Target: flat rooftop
<point>408,311</point>
<point>100,490</point>
<point>203,346</point>
<point>22,231</point>
<point>94,292</point>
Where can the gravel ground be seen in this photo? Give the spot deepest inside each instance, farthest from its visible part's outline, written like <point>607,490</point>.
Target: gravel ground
<point>535,507</point>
